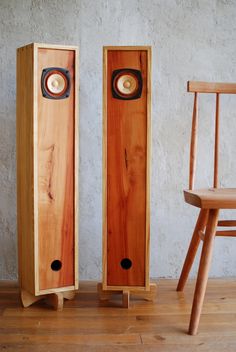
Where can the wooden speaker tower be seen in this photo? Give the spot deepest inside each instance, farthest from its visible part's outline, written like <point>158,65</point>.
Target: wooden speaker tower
<point>126,172</point>
<point>47,172</point>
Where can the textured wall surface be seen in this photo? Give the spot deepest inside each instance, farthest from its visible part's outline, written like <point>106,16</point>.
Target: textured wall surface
<point>191,39</point>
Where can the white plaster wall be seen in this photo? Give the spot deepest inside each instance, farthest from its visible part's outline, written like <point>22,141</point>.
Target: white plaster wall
<point>191,39</point>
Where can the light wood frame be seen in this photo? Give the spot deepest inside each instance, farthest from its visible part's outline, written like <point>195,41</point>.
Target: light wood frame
<point>147,286</point>
<point>27,58</point>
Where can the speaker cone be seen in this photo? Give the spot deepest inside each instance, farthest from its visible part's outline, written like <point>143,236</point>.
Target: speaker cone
<point>55,83</point>
<point>126,84</point>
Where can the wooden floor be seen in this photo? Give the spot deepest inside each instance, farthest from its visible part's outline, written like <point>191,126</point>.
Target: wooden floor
<point>87,325</point>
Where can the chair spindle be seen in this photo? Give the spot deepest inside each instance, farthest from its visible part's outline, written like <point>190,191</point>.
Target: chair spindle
<point>193,145</point>
<point>216,152</point>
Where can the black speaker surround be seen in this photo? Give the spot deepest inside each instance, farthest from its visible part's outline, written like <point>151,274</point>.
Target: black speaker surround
<point>55,83</point>
<point>127,84</point>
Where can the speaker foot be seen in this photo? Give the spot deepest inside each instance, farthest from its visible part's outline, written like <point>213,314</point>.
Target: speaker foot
<point>125,299</point>
<point>56,300</point>
<point>147,295</point>
<point>27,298</point>
<point>69,295</point>
<point>105,295</point>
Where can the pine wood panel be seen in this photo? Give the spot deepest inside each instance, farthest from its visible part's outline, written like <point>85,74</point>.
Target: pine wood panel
<point>126,174</point>
<point>56,176</point>
<point>25,168</point>
<point>89,325</point>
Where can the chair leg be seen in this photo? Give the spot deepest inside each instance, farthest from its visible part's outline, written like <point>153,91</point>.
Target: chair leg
<point>203,270</point>
<point>193,247</point>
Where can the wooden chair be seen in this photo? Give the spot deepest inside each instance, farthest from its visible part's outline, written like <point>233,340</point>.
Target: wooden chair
<point>210,201</point>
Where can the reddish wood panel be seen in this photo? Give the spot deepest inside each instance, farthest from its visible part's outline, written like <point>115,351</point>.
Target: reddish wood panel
<point>126,174</point>
<point>56,176</point>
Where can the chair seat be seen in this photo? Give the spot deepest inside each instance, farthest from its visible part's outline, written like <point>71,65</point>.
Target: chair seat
<point>212,198</point>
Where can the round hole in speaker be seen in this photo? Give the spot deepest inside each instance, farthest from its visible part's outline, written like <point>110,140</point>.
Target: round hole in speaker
<point>56,265</point>
<point>126,263</point>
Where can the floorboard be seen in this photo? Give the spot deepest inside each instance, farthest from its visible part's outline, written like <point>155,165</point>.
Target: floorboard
<point>88,325</point>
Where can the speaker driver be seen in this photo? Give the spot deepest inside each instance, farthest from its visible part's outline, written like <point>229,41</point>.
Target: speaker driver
<point>55,83</point>
<point>126,84</point>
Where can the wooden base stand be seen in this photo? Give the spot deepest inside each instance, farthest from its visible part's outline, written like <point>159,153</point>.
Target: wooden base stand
<point>56,300</point>
<point>105,295</point>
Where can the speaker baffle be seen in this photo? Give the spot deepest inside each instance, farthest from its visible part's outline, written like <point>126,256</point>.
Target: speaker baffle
<point>127,84</point>
<point>56,265</point>
<point>126,263</point>
<point>55,83</point>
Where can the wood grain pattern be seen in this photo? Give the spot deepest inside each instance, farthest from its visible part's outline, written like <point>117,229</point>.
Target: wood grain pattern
<point>56,176</point>
<point>227,223</point>
<point>203,270</point>
<point>217,137</point>
<point>201,235</point>
<point>76,169</point>
<point>212,198</point>
<point>136,293</point>
<point>193,247</point>
<point>228,233</point>
<point>55,299</point>
<point>193,145</point>
<point>87,325</point>
<point>148,285</point>
<point>47,172</point>
<point>104,173</point>
<point>211,87</point>
<point>25,168</point>
<point>126,174</point>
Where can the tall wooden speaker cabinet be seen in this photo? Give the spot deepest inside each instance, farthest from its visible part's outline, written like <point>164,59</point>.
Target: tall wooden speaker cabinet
<point>47,172</point>
<point>126,172</point>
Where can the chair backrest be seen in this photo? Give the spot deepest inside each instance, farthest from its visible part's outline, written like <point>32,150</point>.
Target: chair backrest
<point>217,89</point>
